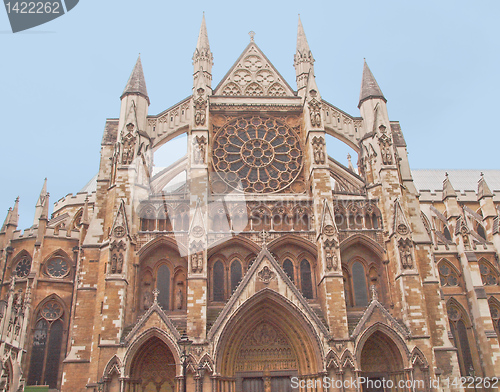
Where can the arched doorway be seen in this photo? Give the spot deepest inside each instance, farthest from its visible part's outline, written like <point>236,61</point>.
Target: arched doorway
<point>153,368</point>
<point>264,345</point>
<point>381,364</point>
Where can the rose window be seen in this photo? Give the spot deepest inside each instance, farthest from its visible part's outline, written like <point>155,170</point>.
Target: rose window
<point>257,154</point>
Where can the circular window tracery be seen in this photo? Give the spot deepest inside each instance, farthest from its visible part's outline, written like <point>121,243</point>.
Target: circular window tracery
<point>257,154</point>
<point>57,267</point>
<point>51,311</point>
<point>23,268</point>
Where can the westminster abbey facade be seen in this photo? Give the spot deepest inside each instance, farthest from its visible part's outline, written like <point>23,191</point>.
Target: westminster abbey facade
<point>274,260</point>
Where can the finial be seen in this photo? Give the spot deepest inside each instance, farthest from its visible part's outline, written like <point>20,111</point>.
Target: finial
<point>264,235</point>
<point>251,34</point>
<point>348,156</point>
<point>482,174</point>
<point>374,293</point>
<point>155,295</point>
<point>446,174</point>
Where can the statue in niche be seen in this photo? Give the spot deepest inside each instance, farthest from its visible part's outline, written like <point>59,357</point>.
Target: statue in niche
<point>128,142</point>
<point>318,150</point>
<point>405,253</point>
<point>119,264</point>
<point>113,263</point>
<point>385,150</point>
<point>179,298</point>
<point>199,150</point>
<point>147,300</point>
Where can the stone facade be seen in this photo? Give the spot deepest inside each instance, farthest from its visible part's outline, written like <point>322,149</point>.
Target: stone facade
<point>274,259</point>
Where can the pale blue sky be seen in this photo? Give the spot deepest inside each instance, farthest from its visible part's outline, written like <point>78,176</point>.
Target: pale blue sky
<point>435,61</point>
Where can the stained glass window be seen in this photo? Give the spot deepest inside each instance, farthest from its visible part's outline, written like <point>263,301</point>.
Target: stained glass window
<point>163,286</point>
<point>359,284</point>
<point>235,274</point>
<point>447,275</point>
<point>23,267</point>
<point>288,268</point>
<point>460,339</point>
<point>218,275</point>
<point>46,346</point>
<point>305,279</point>
<point>488,276</point>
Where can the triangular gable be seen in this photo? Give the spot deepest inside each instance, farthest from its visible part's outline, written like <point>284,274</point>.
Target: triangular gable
<point>376,313</point>
<point>120,225</point>
<point>253,75</point>
<point>151,318</point>
<point>401,225</point>
<point>328,226</point>
<point>265,268</point>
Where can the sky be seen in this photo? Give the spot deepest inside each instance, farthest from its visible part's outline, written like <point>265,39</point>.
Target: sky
<point>435,61</point>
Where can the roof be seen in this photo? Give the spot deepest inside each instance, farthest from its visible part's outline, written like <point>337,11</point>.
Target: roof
<point>136,83</point>
<point>369,86</point>
<point>462,180</point>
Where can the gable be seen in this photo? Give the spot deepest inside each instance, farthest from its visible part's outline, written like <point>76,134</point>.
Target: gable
<point>253,75</point>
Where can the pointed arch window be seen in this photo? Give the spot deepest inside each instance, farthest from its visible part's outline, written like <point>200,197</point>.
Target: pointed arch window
<point>359,284</point>
<point>480,230</point>
<point>495,316</point>
<point>446,233</point>
<point>488,274</point>
<point>447,275</point>
<point>218,281</point>
<point>288,268</point>
<point>46,346</point>
<point>235,274</point>
<point>460,335</point>
<point>305,279</point>
<point>163,286</point>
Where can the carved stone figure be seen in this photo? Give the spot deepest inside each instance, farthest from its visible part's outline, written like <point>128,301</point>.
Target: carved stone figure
<point>318,150</point>
<point>405,253</point>
<point>113,263</point>
<point>119,264</point>
<point>179,298</point>
<point>199,146</point>
<point>200,106</point>
<point>315,113</point>
<point>147,300</point>
<point>385,150</point>
<point>128,142</point>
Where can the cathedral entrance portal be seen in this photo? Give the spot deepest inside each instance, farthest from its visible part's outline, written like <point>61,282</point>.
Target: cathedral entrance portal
<point>153,368</point>
<point>381,361</point>
<point>265,344</point>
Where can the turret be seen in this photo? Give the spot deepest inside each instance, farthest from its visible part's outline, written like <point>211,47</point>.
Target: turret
<point>450,198</point>
<point>372,102</point>
<point>485,197</point>
<point>135,103</point>
<point>303,61</point>
<point>202,62</point>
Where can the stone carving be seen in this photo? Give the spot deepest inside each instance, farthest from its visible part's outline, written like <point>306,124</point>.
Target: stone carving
<point>405,253</point>
<point>331,258</point>
<point>119,231</point>
<point>374,292</point>
<point>266,275</point>
<point>385,149</point>
<point>315,113</point>
<point>199,145</point>
<point>147,300</point>
<point>200,109</point>
<point>197,262</point>
<point>318,149</point>
<point>402,229</point>
<point>117,258</point>
<point>179,298</point>
<point>114,162</point>
<point>128,143</point>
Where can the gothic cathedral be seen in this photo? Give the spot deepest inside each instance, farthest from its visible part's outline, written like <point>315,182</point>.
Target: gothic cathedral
<point>269,267</point>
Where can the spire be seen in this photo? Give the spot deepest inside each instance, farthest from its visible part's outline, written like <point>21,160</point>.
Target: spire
<point>136,84</point>
<point>483,190</point>
<point>40,202</point>
<point>203,43</point>
<point>303,61</point>
<point>350,166</point>
<point>45,209</point>
<point>6,221</point>
<point>14,216</point>
<point>202,60</point>
<point>302,45</point>
<point>369,86</point>
<point>448,190</point>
